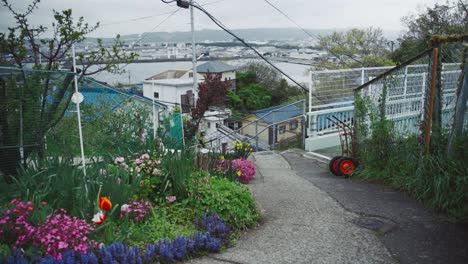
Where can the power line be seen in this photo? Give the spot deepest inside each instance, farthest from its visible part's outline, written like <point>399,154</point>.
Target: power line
<point>223,27</point>
<point>135,19</point>
<point>307,32</point>
<point>290,19</point>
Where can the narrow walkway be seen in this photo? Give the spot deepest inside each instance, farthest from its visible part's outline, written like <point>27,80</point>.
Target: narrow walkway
<point>301,224</point>
<point>412,233</point>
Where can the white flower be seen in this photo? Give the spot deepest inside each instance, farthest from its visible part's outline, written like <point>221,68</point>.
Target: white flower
<point>99,218</point>
<point>124,208</point>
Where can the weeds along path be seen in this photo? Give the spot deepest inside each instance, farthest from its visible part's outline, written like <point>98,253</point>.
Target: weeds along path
<point>301,224</point>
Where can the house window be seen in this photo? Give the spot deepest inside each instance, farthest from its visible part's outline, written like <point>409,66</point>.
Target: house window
<point>282,130</point>
<point>209,124</point>
<point>225,78</point>
<point>293,125</point>
<point>156,95</point>
<point>190,75</point>
<point>217,125</point>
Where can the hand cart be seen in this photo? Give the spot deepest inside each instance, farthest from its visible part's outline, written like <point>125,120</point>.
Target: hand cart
<point>343,165</point>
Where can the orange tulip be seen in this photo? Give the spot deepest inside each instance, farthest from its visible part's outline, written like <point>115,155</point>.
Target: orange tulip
<point>105,204</point>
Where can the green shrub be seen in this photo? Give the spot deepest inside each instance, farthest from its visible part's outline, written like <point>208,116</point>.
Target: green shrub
<point>158,227</point>
<point>232,201</point>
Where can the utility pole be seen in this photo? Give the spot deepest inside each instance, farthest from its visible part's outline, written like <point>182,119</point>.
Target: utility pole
<point>194,54</point>
<point>77,98</point>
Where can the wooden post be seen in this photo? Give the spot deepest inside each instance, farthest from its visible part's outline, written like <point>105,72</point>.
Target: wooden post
<point>435,59</point>
<point>223,148</point>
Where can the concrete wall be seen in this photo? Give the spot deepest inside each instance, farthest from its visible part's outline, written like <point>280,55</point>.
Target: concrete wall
<point>167,93</point>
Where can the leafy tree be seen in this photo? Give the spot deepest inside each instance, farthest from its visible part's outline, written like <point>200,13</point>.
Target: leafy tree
<point>42,97</point>
<point>357,48</point>
<point>254,97</point>
<point>442,19</point>
<point>282,91</point>
<point>255,72</point>
<point>212,92</point>
<point>259,86</point>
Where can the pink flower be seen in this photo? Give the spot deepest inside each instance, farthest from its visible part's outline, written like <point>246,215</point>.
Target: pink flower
<point>137,169</point>
<point>62,245</point>
<point>171,199</point>
<point>145,156</point>
<point>125,166</point>
<point>119,160</point>
<point>103,171</point>
<point>138,161</point>
<point>246,169</point>
<point>135,210</point>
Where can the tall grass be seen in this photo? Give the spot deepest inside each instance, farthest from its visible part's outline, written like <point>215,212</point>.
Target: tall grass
<point>177,167</point>
<point>438,180</point>
<point>62,185</point>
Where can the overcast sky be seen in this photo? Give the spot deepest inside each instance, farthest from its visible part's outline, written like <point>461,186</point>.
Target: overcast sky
<point>313,14</point>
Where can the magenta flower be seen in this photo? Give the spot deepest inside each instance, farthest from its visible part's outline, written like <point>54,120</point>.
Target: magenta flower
<point>245,169</point>
<point>171,199</point>
<point>136,211</point>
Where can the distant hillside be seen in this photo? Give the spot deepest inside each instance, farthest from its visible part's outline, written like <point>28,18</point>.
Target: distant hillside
<point>254,34</point>
<point>247,34</point>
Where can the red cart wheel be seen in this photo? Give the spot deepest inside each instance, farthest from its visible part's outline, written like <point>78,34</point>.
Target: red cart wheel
<point>332,164</point>
<point>345,166</point>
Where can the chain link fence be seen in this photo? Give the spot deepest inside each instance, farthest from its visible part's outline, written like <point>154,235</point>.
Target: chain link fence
<point>411,127</point>
<point>39,119</point>
<point>416,98</point>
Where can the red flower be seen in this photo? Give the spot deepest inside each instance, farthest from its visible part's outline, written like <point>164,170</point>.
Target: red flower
<point>105,204</point>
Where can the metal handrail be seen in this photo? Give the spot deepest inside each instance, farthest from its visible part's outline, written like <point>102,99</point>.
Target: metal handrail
<point>272,111</point>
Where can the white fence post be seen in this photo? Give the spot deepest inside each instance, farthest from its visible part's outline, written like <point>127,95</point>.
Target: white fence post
<point>363,75</point>
<point>310,91</point>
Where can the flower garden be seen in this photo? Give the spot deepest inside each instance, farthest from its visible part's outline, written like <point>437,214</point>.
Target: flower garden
<point>153,207</point>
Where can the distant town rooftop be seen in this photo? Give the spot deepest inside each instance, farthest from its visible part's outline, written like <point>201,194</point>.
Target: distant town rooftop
<point>215,67</point>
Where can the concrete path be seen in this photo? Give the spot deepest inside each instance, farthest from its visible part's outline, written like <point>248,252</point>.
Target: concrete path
<point>412,233</point>
<point>301,224</point>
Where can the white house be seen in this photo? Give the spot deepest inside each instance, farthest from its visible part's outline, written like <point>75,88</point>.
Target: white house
<point>170,91</point>
<point>213,119</point>
<point>214,130</point>
<point>227,71</point>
